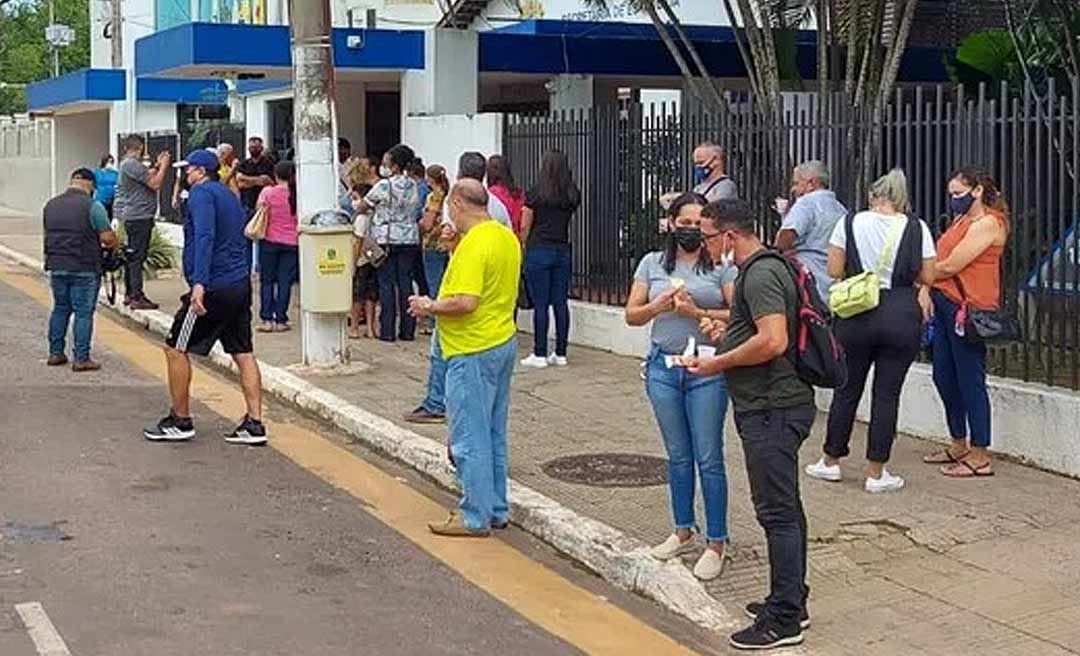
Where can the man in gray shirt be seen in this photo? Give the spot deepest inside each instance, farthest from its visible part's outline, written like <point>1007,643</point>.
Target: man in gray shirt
<point>710,176</point>
<point>136,206</point>
<point>809,222</point>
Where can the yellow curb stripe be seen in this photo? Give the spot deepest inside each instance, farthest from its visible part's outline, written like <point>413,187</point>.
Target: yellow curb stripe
<point>553,603</point>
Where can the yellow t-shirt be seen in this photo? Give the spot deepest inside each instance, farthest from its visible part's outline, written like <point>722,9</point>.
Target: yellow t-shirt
<point>224,171</point>
<point>486,264</point>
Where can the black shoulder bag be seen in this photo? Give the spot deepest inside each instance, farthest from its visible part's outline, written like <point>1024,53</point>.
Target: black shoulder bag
<point>986,326</point>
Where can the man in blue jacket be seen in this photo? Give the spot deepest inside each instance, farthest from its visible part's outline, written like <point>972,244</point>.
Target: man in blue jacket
<point>217,260</point>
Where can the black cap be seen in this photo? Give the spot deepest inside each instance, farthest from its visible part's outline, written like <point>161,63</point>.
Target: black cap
<point>83,173</point>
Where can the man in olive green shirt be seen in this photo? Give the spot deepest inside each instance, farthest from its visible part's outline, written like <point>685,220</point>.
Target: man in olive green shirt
<point>774,411</point>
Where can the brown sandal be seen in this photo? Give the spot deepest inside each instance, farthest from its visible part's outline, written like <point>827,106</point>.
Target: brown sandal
<point>964,469</point>
<point>944,457</point>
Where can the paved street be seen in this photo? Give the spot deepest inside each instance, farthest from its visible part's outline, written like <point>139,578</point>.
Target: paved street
<point>202,548</point>
<point>944,567</point>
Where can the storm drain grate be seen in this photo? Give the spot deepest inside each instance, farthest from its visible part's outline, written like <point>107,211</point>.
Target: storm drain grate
<point>16,532</point>
<point>608,469</point>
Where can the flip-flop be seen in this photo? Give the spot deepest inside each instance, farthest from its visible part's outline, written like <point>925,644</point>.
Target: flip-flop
<point>943,457</point>
<point>967,471</point>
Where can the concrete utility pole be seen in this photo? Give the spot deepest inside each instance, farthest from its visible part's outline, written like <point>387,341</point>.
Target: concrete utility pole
<point>52,46</point>
<point>322,334</point>
<point>117,24</point>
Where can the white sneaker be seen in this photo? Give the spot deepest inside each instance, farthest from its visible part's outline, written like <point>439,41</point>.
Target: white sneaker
<point>535,362</point>
<point>673,547</point>
<point>557,360</point>
<point>887,483</point>
<point>821,471</point>
<point>709,566</point>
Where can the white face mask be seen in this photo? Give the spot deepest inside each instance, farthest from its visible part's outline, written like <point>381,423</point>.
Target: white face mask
<point>728,258</point>
<point>385,171</point>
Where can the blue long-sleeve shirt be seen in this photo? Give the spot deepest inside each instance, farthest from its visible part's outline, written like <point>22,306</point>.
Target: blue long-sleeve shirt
<point>216,252</point>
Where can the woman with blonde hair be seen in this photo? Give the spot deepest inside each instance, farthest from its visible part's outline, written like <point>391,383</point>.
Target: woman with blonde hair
<point>900,250</point>
<point>968,276</point>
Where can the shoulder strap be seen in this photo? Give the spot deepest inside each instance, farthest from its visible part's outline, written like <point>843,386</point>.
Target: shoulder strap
<point>890,246</point>
<point>852,263</point>
<point>713,185</point>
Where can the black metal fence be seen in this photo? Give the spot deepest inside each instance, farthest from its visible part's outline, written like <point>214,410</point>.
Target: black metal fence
<point>626,156</point>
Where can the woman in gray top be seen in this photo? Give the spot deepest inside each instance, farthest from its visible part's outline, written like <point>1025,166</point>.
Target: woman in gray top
<point>676,289</point>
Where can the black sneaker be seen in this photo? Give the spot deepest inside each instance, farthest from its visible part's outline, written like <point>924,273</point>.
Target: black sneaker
<point>250,432</point>
<point>171,429</point>
<point>422,416</point>
<point>766,634</point>
<point>754,609</point>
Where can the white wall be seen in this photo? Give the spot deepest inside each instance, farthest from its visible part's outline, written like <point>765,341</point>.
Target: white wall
<point>151,116</point>
<point>351,99</point>
<point>449,82</point>
<point>79,140</point>
<point>25,183</point>
<point>442,139</point>
<point>257,113</point>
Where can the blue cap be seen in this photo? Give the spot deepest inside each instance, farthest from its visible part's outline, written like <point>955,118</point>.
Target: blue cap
<point>204,159</point>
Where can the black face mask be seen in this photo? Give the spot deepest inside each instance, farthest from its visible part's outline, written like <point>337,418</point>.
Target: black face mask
<point>688,239</point>
<point>961,204</point>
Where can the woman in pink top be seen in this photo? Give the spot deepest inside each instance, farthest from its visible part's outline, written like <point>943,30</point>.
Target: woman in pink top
<point>278,252</point>
<point>501,183</point>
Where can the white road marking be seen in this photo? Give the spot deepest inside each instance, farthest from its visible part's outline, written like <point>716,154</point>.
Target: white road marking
<point>41,630</point>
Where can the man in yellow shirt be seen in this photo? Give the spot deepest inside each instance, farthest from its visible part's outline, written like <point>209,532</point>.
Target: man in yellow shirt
<point>477,333</point>
<point>227,167</point>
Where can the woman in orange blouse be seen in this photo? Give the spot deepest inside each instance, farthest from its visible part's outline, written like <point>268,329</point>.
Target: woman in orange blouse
<point>968,270</point>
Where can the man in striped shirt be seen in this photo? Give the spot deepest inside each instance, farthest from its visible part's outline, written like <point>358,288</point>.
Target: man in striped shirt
<point>217,260</point>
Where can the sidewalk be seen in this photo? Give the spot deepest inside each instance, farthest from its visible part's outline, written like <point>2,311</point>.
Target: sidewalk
<point>943,567</point>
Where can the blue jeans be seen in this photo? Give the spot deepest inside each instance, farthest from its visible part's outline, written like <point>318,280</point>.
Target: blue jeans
<point>547,273</point>
<point>395,288</point>
<point>690,413</point>
<point>434,267</point>
<point>478,405</point>
<point>73,293</point>
<point>960,376</point>
<point>435,401</point>
<point>278,266</point>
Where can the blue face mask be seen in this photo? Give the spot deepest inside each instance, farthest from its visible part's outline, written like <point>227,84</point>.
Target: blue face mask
<point>701,173</point>
<point>959,205</point>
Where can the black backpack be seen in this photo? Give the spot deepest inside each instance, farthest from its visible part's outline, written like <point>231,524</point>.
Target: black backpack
<point>814,350</point>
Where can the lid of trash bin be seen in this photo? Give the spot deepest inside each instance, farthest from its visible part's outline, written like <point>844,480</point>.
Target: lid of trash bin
<point>327,221</point>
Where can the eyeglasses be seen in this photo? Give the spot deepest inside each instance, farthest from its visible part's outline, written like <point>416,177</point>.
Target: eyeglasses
<point>712,236</point>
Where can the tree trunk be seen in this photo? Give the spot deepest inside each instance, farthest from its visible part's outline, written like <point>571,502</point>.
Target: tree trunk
<point>706,79</point>
<point>888,79</point>
<point>744,52</point>
<point>676,54</point>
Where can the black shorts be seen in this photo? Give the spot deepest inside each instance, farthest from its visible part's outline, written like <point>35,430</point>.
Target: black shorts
<point>365,285</point>
<point>227,318</point>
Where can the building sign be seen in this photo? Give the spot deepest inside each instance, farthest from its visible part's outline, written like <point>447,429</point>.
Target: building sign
<point>690,12</point>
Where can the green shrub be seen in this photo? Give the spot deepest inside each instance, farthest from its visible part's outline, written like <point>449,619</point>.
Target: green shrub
<point>160,255</point>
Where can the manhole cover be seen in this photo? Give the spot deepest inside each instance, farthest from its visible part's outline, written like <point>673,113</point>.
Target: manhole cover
<point>608,469</point>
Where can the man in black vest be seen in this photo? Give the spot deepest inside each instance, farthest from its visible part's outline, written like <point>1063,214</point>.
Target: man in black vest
<point>76,229</point>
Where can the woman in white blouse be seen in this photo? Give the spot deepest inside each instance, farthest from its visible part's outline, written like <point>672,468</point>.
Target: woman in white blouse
<point>901,250</point>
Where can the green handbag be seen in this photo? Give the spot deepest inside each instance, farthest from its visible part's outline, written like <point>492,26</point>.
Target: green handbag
<point>862,293</point>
